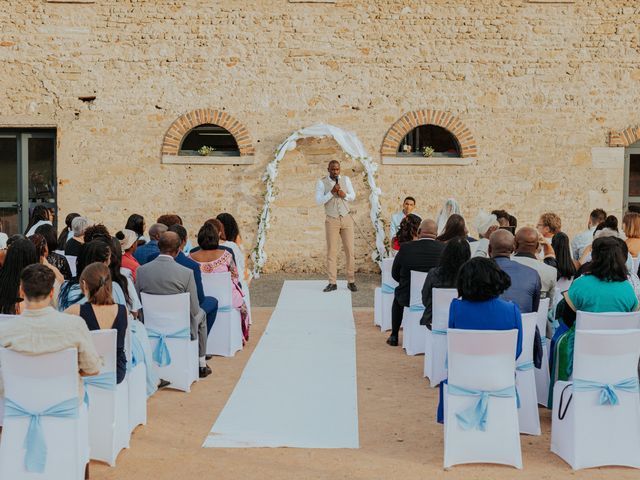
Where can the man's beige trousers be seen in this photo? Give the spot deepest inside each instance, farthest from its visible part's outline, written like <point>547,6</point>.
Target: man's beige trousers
<point>336,229</point>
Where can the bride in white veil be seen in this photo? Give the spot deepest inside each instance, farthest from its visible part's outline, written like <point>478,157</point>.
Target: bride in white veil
<point>450,207</point>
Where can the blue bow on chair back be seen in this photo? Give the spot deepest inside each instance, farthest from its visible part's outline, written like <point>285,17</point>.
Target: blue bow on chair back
<point>475,417</point>
<point>608,395</point>
<point>161,353</point>
<point>104,381</point>
<point>386,288</point>
<point>418,307</point>
<point>35,458</point>
<point>523,367</point>
<point>224,308</point>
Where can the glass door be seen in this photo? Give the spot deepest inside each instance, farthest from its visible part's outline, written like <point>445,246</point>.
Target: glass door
<point>27,176</point>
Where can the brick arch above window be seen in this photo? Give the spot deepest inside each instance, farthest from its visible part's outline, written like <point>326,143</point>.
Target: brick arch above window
<point>624,138</point>
<point>185,123</point>
<point>411,120</point>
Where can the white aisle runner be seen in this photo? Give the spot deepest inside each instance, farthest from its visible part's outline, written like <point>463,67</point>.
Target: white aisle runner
<point>299,386</point>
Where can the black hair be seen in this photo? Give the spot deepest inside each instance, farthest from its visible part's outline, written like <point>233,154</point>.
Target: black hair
<point>39,213</point>
<point>501,214</point>
<point>208,237</point>
<point>114,268</point>
<point>513,222</point>
<point>37,281</point>
<point>608,260</point>
<point>180,230</point>
<point>561,246</point>
<point>49,234</point>
<point>231,230</point>
<point>481,279</point>
<point>409,198</point>
<point>40,243</point>
<point>135,223</point>
<point>20,254</point>
<point>611,222</point>
<point>455,253</point>
<point>598,215</point>
<point>96,232</point>
<point>95,251</point>
<point>408,229</point>
<point>62,239</point>
<point>455,227</point>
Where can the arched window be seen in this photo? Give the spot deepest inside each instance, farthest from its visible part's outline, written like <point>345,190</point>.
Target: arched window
<point>217,139</point>
<point>432,137</point>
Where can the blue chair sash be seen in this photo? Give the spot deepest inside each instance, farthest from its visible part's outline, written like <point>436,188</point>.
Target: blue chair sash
<point>161,353</point>
<point>608,393</point>
<point>543,340</point>
<point>386,288</point>
<point>104,381</point>
<point>35,457</point>
<point>137,353</point>
<point>416,308</point>
<point>523,367</point>
<point>435,331</point>
<point>475,417</point>
<point>224,308</point>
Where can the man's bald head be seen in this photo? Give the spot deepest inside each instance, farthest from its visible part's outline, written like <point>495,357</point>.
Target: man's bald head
<point>428,229</point>
<point>501,244</point>
<point>169,243</point>
<point>526,241</point>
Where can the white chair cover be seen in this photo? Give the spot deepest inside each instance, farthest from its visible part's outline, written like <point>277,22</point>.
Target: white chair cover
<point>108,408</point>
<point>528,417</point>
<point>377,306</point>
<point>169,314</point>
<point>225,337</point>
<point>413,333</point>
<point>542,374</point>
<point>435,357</point>
<point>137,383</point>
<point>3,317</point>
<point>36,383</point>
<point>607,321</point>
<point>595,429</point>
<point>387,290</point>
<point>71,260</point>
<point>481,373</point>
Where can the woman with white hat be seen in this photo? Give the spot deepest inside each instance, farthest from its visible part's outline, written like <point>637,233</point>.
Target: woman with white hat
<point>129,242</point>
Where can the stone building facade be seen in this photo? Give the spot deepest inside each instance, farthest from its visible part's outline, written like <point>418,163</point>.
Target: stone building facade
<point>542,98</point>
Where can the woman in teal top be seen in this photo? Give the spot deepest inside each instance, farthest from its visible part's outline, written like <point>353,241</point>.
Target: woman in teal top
<point>604,287</point>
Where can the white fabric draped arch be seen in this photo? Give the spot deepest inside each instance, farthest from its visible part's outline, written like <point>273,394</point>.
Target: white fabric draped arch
<point>353,147</point>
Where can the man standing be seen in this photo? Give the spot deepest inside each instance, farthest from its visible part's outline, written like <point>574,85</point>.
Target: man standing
<point>334,191</point>
<point>420,255</point>
<point>408,206</point>
<point>164,276</point>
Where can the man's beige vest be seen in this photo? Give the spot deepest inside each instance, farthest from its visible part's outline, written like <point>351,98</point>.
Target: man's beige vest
<point>337,206</point>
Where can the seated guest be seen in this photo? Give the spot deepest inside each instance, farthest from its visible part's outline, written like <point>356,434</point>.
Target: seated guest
<point>455,227</point>
<point>604,287</point>
<point>150,250</point>
<point>455,253</point>
<point>502,217</point>
<point>481,284</point>
<point>59,261</point>
<point>208,304</point>
<point>485,224</point>
<point>129,243</point>
<point>20,254</point>
<point>408,205</point>
<point>407,232</point>
<point>608,228</point>
<point>173,219</point>
<point>100,312</point>
<point>74,244</point>
<point>213,260</point>
<point>525,281</point>
<point>583,239</point>
<point>631,228</point>
<point>566,266</point>
<point>40,329</point>
<point>41,215</point>
<point>67,233</point>
<point>233,240</point>
<point>420,255</point>
<point>41,251</point>
<point>136,223</point>
<point>526,246</point>
<point>548,225</point>
<point>163,276</point>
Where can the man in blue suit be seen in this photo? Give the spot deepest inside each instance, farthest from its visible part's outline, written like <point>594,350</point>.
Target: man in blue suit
<point>149,251</point>
<point>208,304</point>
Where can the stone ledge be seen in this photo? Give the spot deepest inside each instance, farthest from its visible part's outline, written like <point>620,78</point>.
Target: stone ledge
<point>404,160</point>
<point>207,160</point>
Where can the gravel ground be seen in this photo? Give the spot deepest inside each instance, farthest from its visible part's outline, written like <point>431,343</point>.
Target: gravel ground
<point>266,289</point>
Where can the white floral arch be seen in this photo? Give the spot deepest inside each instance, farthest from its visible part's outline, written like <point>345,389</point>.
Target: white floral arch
<point>353,147</point>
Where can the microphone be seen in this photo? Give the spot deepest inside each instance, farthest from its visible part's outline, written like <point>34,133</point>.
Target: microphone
<point>337,179</point>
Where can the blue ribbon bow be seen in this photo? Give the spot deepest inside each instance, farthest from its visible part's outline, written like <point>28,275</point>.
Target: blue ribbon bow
<point>416,308</point>
<point>523,367</point>
<point>104,381</point>
<point>543,340</point>
<point>224,308</point>
<point>608,393</point>
<point>435,331</point>
<point>35,457</point>
<point>476,415</point>
<point>386,288</point>
<point>161,353</point>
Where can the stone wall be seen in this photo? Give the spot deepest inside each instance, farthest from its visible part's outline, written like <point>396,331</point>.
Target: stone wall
<point>538,85</point>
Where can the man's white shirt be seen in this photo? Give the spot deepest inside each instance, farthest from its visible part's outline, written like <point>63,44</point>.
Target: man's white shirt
<point>322,198</point>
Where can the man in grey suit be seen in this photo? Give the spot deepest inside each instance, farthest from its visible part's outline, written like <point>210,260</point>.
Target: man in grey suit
<point>163,276</point>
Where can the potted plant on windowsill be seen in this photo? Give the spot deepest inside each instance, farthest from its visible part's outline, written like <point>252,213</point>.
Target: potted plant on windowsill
<point>206,151</point>
<point>427,152</point>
